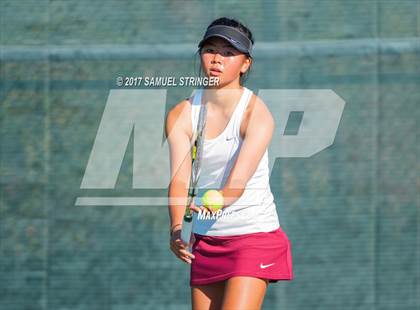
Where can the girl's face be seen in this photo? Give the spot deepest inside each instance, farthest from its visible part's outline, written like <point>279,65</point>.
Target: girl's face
<point>220,59</point>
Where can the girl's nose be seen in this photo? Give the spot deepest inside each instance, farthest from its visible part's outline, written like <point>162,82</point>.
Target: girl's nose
<point>217,57</point>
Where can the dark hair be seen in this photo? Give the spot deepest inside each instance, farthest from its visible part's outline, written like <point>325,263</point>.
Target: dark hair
<point>242,28</point>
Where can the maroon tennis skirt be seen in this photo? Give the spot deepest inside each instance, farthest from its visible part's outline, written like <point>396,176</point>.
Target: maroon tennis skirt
<point>265,255</point>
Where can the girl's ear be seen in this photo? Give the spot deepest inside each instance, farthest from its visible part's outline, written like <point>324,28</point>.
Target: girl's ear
<point>246,64</point>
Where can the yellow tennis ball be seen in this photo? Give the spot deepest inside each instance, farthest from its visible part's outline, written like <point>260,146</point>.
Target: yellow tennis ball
<point>212,199</point>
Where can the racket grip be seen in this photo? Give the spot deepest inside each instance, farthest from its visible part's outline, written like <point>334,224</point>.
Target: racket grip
<point>186,231</point>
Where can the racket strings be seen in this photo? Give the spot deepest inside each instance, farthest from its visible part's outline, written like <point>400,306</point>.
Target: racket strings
<point>196,155</point>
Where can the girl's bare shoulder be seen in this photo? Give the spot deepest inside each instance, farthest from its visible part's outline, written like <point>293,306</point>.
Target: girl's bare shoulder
<point>180,114</point>
<point>257,107</point>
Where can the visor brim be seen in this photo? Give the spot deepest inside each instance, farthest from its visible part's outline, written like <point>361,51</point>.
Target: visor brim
<point>234,43</point>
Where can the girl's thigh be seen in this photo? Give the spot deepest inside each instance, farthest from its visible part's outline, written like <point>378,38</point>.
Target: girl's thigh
<point>243,292</point>
<point>207,297</point>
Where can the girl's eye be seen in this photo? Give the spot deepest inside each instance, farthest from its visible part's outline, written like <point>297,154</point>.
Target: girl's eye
<point>229,53</point>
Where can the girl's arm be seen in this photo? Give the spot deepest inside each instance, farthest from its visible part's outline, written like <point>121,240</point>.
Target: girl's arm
<point>258,134</point>
<point>180,161</point>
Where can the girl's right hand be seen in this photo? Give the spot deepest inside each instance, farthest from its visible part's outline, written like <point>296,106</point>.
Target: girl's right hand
<point>179,248</point>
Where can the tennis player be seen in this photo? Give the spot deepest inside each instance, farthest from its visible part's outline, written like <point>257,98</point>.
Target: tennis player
<point>238,251</point>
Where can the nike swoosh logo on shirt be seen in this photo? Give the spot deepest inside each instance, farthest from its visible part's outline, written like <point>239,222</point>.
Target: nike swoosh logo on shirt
<point>265,266</point>
<point>229,138</point>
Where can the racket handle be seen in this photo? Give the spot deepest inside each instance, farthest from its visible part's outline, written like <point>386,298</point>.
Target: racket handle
<point>186,231</point>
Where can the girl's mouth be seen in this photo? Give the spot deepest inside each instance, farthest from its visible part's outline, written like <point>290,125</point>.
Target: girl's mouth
<point>215,72</point>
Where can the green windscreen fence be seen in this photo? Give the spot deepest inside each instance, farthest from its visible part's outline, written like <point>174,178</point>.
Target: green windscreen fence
<point>350,210</point>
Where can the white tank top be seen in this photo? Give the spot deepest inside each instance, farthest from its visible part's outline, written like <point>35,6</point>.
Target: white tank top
<point>255,210</point>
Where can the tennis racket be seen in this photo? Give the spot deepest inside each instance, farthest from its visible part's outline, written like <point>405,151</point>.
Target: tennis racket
<point>196,155</point>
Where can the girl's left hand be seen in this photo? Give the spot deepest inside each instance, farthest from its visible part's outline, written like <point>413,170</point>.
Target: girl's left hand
<point>203,209</point>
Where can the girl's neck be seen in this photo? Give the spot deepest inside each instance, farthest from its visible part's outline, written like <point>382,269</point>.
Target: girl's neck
<point>223,97</point>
